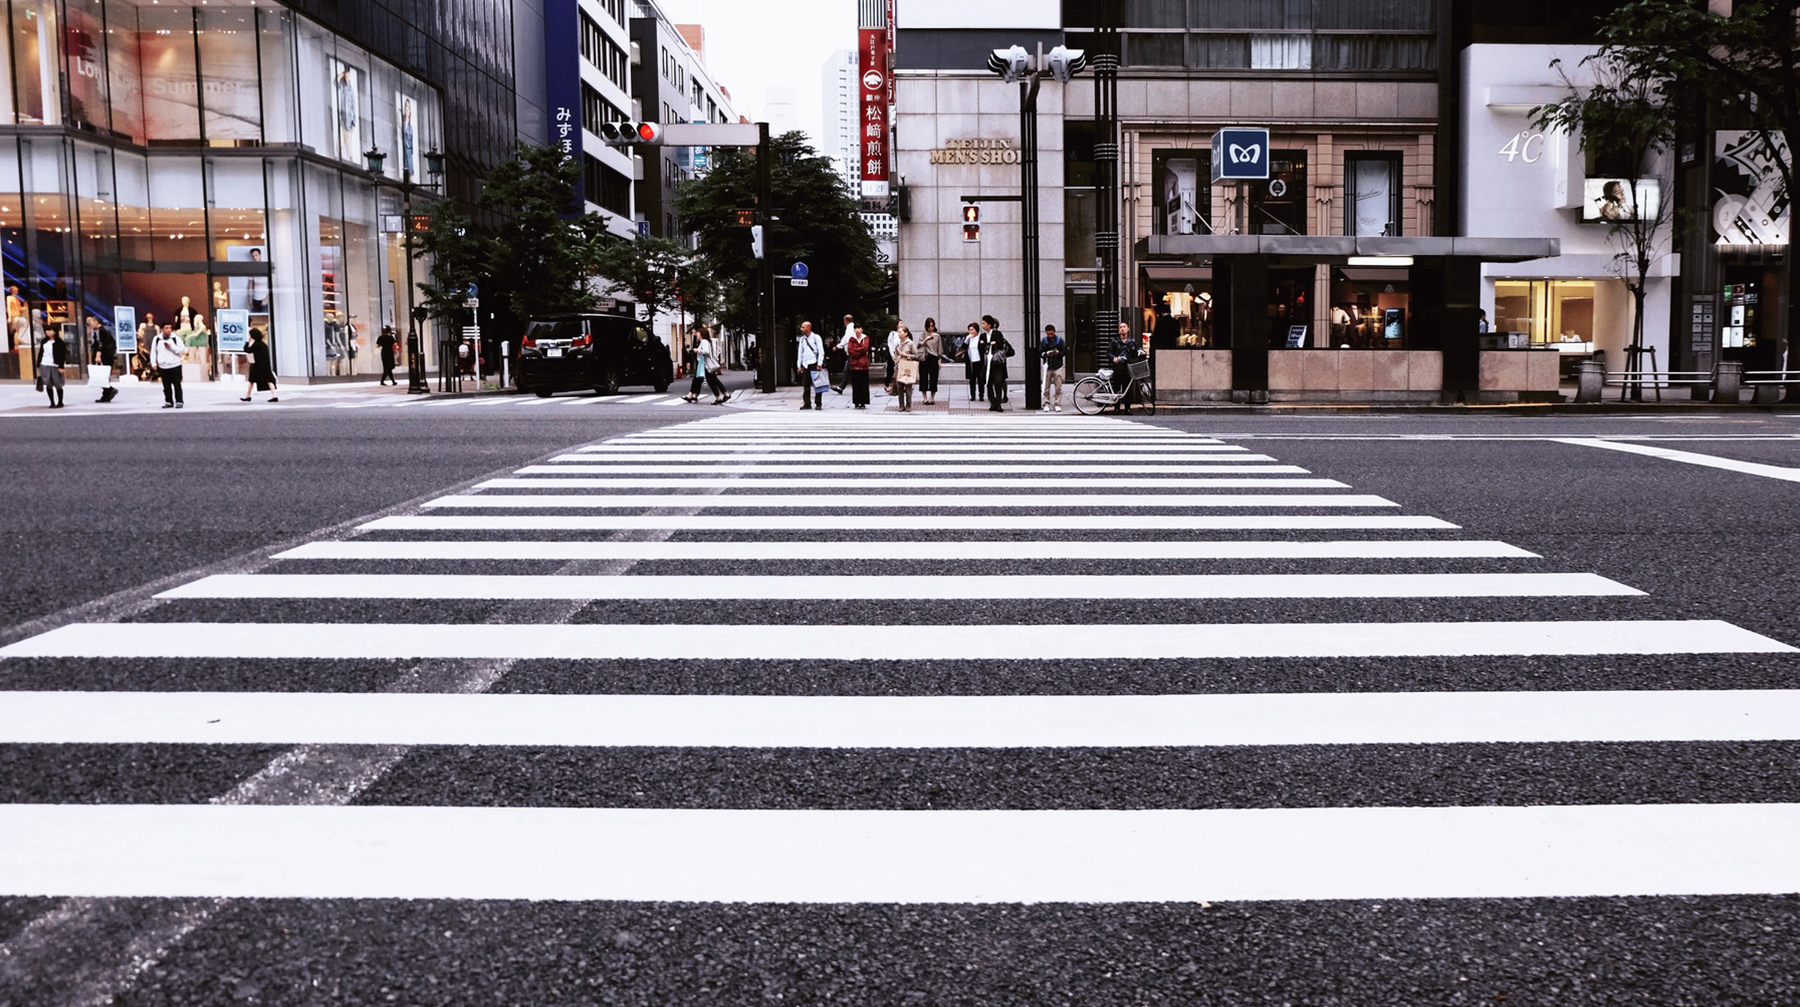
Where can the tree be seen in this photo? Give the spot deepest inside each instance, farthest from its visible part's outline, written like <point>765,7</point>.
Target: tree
<point>458,256</point>
<point>659,273</point>
<point>544,252</point>
<point>812,221</point>
<point>1744,64</point>
<point>1622,119</point>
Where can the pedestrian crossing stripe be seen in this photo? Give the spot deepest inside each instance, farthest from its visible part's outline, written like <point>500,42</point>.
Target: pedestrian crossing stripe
<point>984,642</point>
<point>908,501</point>
<point>1041,550</point>
<point>697,480</point>
<point>898,722</point>
<point>982,445</point>
<point>589,466</point>
<point>889,857</point>
<point>873,524</point>
<point>875,456</point>
<point>826,587</point>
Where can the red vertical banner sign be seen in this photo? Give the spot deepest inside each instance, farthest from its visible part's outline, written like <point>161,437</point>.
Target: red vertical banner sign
<point>872,61</point>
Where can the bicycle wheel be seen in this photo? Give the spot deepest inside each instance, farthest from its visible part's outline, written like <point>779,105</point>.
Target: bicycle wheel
<point>1147,397</point>
<point>1085,390</point>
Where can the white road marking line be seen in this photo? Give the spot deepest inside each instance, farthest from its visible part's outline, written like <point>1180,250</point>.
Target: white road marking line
<point>909,501</point>
<point>883,468</point>
<point>816,856</point>
<point>908,722</point>
<point>625,400</point>
<point>702,480</point>
<point>1781,472</point>
<point>1054,552</point>
<point>863,457</point>
<point>870,523</point>
<point>825,587</point>
<point>761,642</point>
<point>976,446</point>
<point>672,402</point>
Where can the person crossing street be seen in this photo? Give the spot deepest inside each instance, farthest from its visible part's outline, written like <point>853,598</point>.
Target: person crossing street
<point>809,358</point>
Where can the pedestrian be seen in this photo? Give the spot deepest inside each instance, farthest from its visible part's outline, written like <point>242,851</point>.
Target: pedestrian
<point>906,371</point>
<point>972,363</point>
<point>856,353</point>
<point>837,363</point>
<point>1126,349</point>
<point>51,359</point>
<point>166,354</point>
<point>931,356</point>
<point>998,349</point>
<point>146,335</point>
<point>809,357</point>
<point>390,346</point>
<point>262,370</point>
<point>893,351</point>
<point>102,348</point>
<point>706,368</point>
<point>1053,351</point>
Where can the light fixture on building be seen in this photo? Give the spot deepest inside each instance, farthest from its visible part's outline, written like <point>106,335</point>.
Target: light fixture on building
<point>1395,261</point>
<point>375,159</point>
<point>434,162</point>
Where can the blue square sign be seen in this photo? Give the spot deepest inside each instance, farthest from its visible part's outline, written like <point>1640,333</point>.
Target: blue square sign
<point>1240,155</point>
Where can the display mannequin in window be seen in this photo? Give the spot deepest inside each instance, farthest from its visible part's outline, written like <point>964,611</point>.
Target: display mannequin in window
<point>184,315</point>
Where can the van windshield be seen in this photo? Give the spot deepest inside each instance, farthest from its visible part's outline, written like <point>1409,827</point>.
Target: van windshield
<point>561,329</point>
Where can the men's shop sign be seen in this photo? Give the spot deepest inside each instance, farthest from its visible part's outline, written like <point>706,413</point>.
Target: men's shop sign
<point>976,152</point>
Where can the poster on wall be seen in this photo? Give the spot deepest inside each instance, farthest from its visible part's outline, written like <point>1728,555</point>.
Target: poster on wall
<point>1616,200</point>
<point>346,111</point>
<point>1178,188</point>
<point>1750,205</point>
<point>249,293</point>
<point>406,134</point>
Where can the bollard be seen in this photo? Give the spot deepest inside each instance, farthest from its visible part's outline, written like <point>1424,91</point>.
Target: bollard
<point>1590,381</point>
<point>1728,381</point>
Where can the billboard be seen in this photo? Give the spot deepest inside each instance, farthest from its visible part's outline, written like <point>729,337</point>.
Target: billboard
<point>1750,205</point>
<point>1616,200</point>
<point>872,89</point>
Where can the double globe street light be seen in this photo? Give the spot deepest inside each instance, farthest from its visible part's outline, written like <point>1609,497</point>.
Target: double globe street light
<point>434,166</point>
<point>1015,64</point>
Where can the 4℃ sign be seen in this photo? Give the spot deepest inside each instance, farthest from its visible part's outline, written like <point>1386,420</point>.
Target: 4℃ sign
<point>234,329</point>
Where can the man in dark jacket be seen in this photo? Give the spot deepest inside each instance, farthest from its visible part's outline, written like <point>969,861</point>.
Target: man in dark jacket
<point>993,357</point>
<point>102,348</point>
<point>1126,349</point>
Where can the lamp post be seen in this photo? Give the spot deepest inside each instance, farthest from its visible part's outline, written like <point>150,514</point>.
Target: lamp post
<point>434,166</point>
<point>1015,64</point>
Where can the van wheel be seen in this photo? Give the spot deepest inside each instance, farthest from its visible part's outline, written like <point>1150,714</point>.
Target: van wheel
<point>609,382</point>
<point>661,387</point>
<point>542,393</point>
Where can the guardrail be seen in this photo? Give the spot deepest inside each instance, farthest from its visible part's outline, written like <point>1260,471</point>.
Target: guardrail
<point>1723,383</point>
<point>1765,386</point>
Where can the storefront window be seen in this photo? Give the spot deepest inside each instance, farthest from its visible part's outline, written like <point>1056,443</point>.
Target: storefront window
<point>1557,314</point>
<point>275,48</point>
<point>124,79</point>
<point>1278,206</point>
<point>228,77</point>
<point>1182,198</point>
<point>1370,308</point>
<point>171,86</point>
<point>1372,195</point>
<point>34,63</point>
<point>86,44</point>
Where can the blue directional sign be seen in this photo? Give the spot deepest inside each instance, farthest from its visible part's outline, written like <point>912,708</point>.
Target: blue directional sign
<point>1240,155</point>
<point>798,271</point>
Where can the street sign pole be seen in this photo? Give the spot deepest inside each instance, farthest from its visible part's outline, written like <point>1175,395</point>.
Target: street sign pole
<point>768,343</point>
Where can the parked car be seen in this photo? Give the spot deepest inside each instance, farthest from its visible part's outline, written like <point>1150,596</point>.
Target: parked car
<point>604,350</point>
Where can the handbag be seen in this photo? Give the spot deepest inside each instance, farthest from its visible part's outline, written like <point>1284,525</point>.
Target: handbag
<point>907,373</point>
<point>821,379</point>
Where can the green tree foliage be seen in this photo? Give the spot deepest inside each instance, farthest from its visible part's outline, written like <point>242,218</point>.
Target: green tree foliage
<point>1623,119</point>
<point>814,222</point>
<point>660,274</point>
<point>545,251</point>
<point>458,255</point>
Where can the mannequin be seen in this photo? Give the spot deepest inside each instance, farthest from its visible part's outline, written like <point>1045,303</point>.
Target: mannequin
<point>221,300</point>
<point>184,315</point>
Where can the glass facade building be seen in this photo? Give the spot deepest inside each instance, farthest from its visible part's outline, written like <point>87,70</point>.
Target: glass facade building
<point>183,159</point>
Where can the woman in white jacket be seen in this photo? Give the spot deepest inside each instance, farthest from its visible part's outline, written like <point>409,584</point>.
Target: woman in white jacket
<point>706,367</point>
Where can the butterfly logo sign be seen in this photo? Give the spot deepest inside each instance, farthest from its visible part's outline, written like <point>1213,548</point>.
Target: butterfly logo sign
<point>1240,154</point>
<point>1251,154</point>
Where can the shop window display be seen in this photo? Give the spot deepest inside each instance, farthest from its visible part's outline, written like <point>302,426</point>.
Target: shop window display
<point>1182,197</point>
<point>1370,308</point>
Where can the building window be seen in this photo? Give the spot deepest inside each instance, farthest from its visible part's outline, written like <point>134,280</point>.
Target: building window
<point>1372,195</point>
<point>1182,200</point>
<point>1278,206</point>
<point>593,41</point>
<point>603,186</point>
<point>1282,34</point>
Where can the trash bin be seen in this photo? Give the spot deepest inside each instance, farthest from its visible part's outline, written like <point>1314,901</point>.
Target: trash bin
<point>1590,381</point>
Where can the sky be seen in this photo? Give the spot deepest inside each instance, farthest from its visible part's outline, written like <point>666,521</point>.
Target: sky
<point>753,45</point>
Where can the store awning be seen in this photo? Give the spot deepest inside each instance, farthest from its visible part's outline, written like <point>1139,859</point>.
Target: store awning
<point>1362,274</point>
<point>1168,276</point>
<point>1327,248</point>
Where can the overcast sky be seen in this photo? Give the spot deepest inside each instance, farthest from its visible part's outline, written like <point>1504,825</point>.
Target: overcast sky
<point>753,45</point>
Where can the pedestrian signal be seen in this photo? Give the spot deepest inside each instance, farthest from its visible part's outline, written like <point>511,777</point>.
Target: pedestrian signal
<point>971,222</point>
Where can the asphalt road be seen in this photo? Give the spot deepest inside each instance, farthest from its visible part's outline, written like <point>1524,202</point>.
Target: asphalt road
<point>109,511</point>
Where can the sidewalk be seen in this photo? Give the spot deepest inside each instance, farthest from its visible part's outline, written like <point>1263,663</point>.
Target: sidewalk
<point>23,398</point>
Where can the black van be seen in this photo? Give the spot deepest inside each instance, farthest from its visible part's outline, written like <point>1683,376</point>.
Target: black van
<point>603,350</point>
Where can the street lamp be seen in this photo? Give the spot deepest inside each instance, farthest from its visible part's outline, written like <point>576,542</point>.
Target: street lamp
<point>434,166</point>
<point>1014,63</point>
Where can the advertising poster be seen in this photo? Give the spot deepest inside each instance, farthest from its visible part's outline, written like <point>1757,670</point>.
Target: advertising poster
<point>1750,205</point>
<point>1178,184</point>
<point>250,293</point>
<point>406,134</point>
<point>1615,200</point>
<point>346,111</point>
<point>233,327</point>
<point>125,329</point>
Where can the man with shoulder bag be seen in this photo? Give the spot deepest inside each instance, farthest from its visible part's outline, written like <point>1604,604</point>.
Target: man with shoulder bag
<point>809,362</point>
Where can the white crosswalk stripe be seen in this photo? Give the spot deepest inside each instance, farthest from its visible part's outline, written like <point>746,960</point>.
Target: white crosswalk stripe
<point>1002,537</point>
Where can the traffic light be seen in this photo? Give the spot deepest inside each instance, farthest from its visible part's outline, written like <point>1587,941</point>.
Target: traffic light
<point>971,222</point>
<point>756,241</point>
<point>621,134</point>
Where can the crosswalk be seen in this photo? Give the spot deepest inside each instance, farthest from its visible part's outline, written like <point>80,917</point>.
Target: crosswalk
<point>749,583</point>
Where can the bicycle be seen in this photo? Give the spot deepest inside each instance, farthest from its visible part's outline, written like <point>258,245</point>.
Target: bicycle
<point>1095,393</point>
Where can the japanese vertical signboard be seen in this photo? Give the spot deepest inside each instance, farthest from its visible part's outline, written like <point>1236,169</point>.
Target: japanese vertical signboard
<point>872,64</point>
<point>562,81</point>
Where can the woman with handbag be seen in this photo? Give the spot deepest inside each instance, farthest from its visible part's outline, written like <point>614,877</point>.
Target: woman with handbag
<point>971,358</point>
<point>906,368</point>
<point>262,370</point>
<point>706,368</point>
<point>856,351</point>
<point>931,355</point>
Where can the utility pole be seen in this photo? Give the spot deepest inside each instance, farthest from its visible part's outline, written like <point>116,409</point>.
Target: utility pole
<point>767,341</point>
